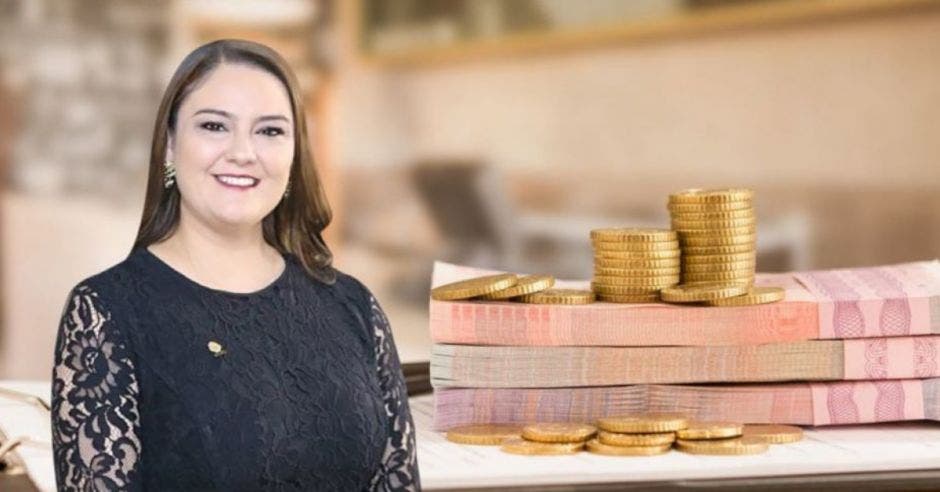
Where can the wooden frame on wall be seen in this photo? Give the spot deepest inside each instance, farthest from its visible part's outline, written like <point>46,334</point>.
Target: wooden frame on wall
<point>723,17</point>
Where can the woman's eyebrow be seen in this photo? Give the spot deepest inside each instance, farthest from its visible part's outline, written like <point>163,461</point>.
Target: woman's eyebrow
<point>226,114</point>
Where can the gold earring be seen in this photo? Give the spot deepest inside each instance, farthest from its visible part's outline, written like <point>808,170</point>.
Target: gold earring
<point>169,174</point>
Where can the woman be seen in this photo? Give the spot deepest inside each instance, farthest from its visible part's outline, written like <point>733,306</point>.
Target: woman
<point>225,352</point>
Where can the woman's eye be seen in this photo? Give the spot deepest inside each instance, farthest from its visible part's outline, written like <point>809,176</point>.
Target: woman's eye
<point>272,131</point>
<point>212,126</point>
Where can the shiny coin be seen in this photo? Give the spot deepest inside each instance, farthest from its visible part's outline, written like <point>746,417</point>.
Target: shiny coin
<point>688,251</point>
<point>729,276</point>
<point>559,296</point>
<point>635,255</point>
<point>686,225</point>
<point>637,281</point>
<point>755,295</point>
<point>733,446</point>
<point>633,235</point>
<point>621,439</point>
<point>645,264</point>
<point>743,213</point>
<point>750,256</point>
<point>709,208</point>
<point>774,434</point>
<point>473,287</point>
<point>698,195</point>
<point>558,432</point>
<point>529,284</point>
<point>634,246</point>
<point>685,234</point>
<point>484,434</point>
<point>628,298</point>
<point>518,445</point>
<point>702,292</point>
<point>638,272</point>
<point>597,447</point>
<point>717,240</point>
<point>748,265</point>
<point>643,423</point>
<point>710,430</point>
<point>624,289</point>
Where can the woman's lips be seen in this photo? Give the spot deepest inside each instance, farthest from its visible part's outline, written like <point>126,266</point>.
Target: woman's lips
<point>236,182</point>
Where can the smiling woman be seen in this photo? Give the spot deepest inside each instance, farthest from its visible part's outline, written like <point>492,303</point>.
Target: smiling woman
<point>225,352</point>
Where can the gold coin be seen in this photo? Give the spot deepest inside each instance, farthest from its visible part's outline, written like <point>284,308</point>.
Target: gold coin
<point>529,284</point>
<point>620,439</point>
<point>725,249</point>
<point>597,447</point>
<point>774,434</point>
<point>473,287</point>
<point>630,234</point>
<point>559,296</point>
<point>637,272</point>
<point>709,208</point>
<point>748,239</point>
<point>483,434</point>
<point>744,213</point>
<point>643,423</point>
<point>637,281</point>
<point>635,246</point>
<point>717,232</point>
<point>698,195</point>
<point>746,265</point>
<point>685,224</point>
<point>628,298</point>
<point>518,445</point>
<point>755,295</point>
<point>729,276</point>
<point>710,430</point>
<point>624,289</point>
<point>725,447</point>
<point>637,255</point>
<point>719,259</point>
<point>558,432</point>
<point>702,292</point>
<point>637,263</point>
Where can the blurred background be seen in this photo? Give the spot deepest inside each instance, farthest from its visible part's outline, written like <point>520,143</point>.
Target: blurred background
<point>493,133</point>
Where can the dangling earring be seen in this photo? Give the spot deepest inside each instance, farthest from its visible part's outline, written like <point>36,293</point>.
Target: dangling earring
<point>287,190</point>
<point>169,173</point>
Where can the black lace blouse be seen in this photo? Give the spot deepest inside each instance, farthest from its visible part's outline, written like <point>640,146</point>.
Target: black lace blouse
<point>299,389</point>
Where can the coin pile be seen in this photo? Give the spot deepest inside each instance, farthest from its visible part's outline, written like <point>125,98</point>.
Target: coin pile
<point>632,265</point>
<point>535,289</point>
<point>550,438</point>
<point>629,435</point>
<point>717,231</point>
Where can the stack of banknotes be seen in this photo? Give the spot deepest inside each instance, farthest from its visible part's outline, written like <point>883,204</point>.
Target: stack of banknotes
<point>846,346</point>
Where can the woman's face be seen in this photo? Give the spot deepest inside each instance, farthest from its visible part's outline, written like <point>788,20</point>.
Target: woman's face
<point>233,147</point>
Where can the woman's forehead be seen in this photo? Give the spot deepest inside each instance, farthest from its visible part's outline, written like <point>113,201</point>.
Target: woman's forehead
<point>241,91</point>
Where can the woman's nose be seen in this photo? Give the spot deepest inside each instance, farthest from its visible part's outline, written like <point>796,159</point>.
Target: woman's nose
<point>241,150</point>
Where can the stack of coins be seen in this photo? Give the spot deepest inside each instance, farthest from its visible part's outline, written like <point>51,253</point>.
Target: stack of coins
<point>629,435</point>
<point>632,265</point>
<point>717,232</point>
<point>550,438</point>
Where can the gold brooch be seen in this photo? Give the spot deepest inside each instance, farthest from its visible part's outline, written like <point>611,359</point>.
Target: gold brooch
<point>216,348</point>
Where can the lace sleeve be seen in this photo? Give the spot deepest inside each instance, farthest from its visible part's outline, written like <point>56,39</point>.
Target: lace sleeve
<point>399,468</point>
<point>95,418</point>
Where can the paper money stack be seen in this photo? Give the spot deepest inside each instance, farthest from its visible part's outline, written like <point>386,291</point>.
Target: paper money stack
<point>845,346</point>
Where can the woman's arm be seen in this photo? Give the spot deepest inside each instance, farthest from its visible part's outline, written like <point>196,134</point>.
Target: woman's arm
<point>95,419</point>
<point>399,468</point>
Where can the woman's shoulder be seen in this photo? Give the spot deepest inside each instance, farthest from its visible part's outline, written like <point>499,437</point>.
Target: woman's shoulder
<point>108,286</point>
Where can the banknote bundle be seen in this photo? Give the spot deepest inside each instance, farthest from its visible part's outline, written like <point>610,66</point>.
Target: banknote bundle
<point>844,346</point>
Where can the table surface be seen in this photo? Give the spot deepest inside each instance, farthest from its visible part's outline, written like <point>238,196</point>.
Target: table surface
<point>834,458</point>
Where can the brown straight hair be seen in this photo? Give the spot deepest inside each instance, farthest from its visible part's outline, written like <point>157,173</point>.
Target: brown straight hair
<point>297,222</point>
